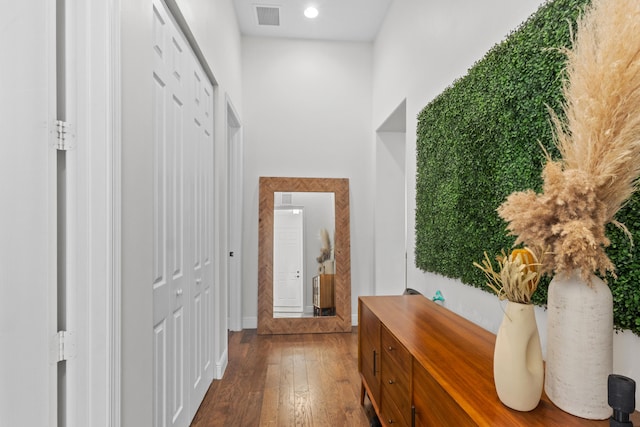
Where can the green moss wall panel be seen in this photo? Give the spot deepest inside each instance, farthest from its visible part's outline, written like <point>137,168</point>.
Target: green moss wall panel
<point>481,139</point>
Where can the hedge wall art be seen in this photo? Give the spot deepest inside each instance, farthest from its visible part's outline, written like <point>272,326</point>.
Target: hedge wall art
<point>484,137</point>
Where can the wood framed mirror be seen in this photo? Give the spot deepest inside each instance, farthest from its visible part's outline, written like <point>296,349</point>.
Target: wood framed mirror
<point>340,321</point>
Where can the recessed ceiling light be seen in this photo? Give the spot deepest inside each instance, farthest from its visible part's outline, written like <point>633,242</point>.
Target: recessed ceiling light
<point>311,12</point>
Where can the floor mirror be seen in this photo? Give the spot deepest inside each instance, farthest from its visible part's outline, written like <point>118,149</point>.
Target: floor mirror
<point>324,273</point>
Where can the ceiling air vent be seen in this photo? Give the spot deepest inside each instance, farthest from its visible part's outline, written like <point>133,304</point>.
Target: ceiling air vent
<point>268,15</point>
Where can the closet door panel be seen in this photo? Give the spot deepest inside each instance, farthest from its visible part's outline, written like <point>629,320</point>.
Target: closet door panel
<point>201,235</point>
<point>183,190</point>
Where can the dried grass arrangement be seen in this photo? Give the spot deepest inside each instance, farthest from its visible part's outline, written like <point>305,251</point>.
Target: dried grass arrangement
<point>518,274</point>
<point>599,142</point>
<point>325,247</point>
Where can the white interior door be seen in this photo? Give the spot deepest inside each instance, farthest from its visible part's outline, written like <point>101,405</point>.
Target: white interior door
<point>288,260</point>
<point>183,225</point>
<point>170,281</point>
<point>200,144</point>
<point>28,215</point>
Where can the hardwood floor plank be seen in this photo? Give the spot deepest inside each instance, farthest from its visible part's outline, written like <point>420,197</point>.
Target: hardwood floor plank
<point>269,410</point>
<point>319,395</point>
<point>302,411</point>
<point>252,417</point>
<point>271,396</point>
<point>286,380</point>
<point>286,396</point>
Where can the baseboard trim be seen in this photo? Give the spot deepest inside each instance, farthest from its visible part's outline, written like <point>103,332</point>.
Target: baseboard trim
<point>250,322</point>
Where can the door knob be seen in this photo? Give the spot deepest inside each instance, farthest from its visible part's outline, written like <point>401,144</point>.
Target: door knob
<point>178,292</point>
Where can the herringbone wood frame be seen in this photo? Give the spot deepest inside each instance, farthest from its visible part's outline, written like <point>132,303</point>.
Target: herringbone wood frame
<point>341,322</point>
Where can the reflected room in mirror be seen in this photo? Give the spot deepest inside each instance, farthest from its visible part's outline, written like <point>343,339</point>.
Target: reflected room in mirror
<point>304,255</point>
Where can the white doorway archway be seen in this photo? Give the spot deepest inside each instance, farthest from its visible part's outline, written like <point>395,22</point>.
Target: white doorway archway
<point>390,204</point>
<point>234,214</point>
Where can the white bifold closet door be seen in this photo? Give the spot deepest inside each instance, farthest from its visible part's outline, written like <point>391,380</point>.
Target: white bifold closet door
<point>183,225</point>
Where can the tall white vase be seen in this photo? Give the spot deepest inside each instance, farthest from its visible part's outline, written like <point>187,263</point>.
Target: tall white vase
<point>579,345</point>
<point>517,360</point>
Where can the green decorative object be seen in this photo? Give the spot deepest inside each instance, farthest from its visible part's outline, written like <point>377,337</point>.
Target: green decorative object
<point>479,141</point>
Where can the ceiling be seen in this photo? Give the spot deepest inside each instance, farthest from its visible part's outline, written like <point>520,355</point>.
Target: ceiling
<point>345,20</point>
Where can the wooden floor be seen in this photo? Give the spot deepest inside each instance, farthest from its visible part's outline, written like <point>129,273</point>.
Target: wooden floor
<point>287,380</point>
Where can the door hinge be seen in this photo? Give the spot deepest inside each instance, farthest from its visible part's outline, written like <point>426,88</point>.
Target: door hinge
<point>63,346</point>
<point>63,136</point>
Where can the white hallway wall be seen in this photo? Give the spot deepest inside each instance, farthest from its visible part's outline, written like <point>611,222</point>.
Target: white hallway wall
<point>307,113</point>
<point>422,48</point>
<point>214,26</point>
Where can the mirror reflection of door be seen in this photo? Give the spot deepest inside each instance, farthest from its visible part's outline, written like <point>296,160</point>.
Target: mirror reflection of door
<point>299,220</point>
<point>288,261</point>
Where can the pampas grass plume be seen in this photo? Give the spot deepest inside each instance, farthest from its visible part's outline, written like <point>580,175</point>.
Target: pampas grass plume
<point>599,142</point>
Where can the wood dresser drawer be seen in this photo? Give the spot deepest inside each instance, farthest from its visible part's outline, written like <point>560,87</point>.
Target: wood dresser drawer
<point>395,351</point>
<point>390,415</point>
<point>396,370</point>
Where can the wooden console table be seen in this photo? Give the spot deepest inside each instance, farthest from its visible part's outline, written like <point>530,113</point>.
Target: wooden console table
<point>423,365</point>
<point>323,290</point>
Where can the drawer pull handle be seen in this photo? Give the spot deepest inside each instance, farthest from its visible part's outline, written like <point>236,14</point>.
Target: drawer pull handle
<point>390,421</point>
<point>390,348</point>
<point>374,363</point>
<point>390,381</point>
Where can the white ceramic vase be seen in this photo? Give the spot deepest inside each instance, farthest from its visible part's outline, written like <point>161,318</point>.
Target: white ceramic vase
<point>579,345</point>
<point>518,369</point>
